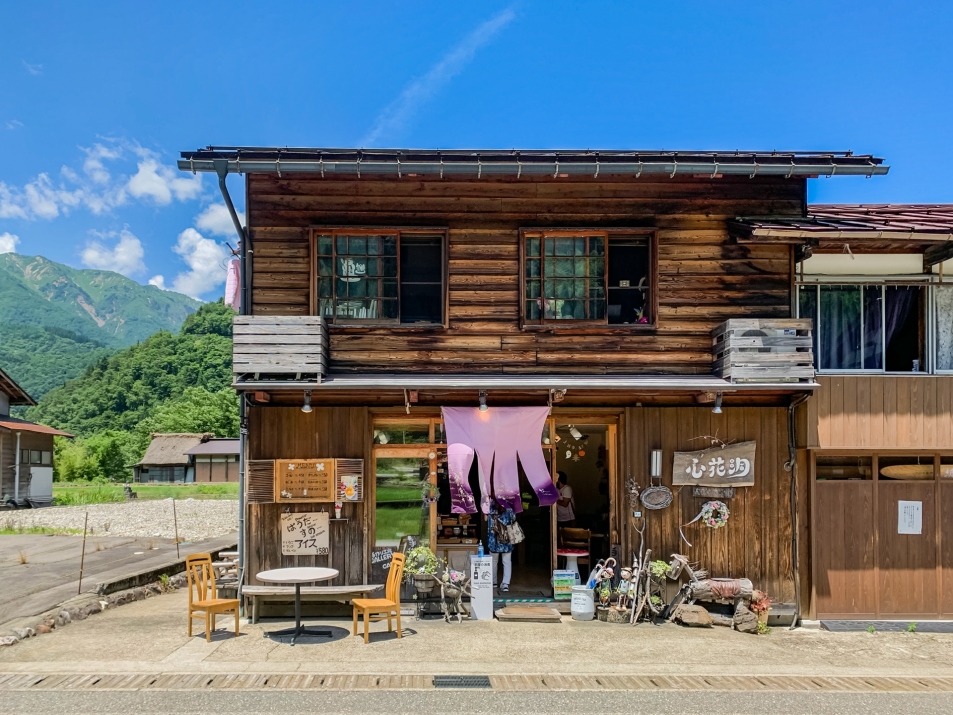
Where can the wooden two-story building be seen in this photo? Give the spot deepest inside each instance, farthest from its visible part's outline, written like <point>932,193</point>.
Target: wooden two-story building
<point>641,299</point>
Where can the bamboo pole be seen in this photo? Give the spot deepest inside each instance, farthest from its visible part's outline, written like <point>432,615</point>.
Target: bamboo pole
<point>175,524</point>
<point>82,556</point>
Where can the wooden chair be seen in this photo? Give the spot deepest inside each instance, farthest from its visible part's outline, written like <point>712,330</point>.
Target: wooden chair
<point>377,609</point>
<point>573,538</point>
<point>203,602</point>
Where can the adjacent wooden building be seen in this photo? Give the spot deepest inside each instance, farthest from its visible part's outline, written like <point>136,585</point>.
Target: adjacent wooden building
<point>643,297</point>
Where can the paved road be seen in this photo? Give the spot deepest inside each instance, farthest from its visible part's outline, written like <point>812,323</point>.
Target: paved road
<point>473,703</point>
<point>50,574</point>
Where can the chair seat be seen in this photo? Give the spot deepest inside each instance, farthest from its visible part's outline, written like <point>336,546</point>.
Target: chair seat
<point>215,603</point>
<point>366,603</point>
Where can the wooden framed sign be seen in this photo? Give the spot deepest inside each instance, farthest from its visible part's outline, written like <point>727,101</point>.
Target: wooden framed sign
<point>728,466</point>
<point>305,534</point>
<point>304,480</point>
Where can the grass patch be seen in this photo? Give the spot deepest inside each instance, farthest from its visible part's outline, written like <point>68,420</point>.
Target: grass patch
<point>9,529</point>
<point>79,494</point>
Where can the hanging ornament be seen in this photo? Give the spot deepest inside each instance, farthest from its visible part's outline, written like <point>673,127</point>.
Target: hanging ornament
<point>582,453</point>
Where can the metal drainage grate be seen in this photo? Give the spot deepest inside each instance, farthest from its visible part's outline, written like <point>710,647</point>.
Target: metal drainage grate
<point>472,682</point>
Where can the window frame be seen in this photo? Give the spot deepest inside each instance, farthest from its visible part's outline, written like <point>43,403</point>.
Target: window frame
<point>927,315</point>
<point>601,326</point>
<point>441,232</point>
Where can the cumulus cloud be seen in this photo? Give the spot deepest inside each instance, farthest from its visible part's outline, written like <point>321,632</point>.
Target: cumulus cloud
<point>399,112</point>
<point>158,282</point>
<point>8,242</point>
<point>123,256</point>
<point>216,219</point>
<point>162,183</point>
<point>94,167</point>
<point>32,69</point>
<point>205,258</point>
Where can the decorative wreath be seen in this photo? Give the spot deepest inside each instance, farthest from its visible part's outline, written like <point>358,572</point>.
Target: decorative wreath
<point>429,493</point>
<point>715,514</point>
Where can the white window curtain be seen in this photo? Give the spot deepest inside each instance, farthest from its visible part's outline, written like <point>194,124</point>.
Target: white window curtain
<point>944,327</point>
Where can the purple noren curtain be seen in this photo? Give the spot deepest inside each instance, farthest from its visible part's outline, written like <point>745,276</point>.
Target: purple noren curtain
<point>499,437</point>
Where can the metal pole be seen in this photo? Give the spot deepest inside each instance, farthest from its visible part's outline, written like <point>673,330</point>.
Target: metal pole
<point>16,474</point>
<point>82,556</point>
<point>175,524</point>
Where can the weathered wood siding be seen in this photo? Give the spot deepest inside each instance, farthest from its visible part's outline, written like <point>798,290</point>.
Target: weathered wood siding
<point>288,433</point>
<point>881,412</point>
<point>703,278</point>
<point>756,542</point>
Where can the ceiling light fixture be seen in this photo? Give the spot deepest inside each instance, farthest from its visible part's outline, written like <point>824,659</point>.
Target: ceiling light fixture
<point>717,408</point>
<point>306,407</point>
<point>483,407</point>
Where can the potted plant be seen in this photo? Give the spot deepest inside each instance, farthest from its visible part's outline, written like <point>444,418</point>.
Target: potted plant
<point>760,605</point>
<point>420,569</point>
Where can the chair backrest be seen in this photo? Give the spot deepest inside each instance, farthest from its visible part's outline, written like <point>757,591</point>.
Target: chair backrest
<point>576,538</point>
<point>394,576</point>
<point>201,577</point>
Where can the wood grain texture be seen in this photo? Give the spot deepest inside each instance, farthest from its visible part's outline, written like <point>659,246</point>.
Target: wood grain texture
<point>703,276</point>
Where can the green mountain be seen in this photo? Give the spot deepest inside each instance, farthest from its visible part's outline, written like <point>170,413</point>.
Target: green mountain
<point>55,320</point>
<point>102,305</point>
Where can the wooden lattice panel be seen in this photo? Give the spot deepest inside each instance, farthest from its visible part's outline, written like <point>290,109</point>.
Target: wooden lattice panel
<point>350,475</point>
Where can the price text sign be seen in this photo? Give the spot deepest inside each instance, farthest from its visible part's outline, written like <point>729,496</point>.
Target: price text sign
<point>300,480</point>
<point>305,534</point>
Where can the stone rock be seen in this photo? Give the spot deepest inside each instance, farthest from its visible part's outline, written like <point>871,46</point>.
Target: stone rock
<point>693,616</point>
<point>602,613</point>
<point>719,619</point>
<point>63,618</point>
<point>43,628</point>
<point>103,605</point>
<point>78,614</point>
<point>9,640</point>
<point>23,633</point>
<point>746,621</point>
<point>92,608</point>
<point>617,615</point>
<point>154,588</point>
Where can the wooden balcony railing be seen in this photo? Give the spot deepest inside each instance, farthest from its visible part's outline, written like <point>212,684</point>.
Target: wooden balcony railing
<point>763,350</point>
<point>280,345</point>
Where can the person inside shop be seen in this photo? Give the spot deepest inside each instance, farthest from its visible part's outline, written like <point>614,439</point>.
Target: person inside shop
<point>501,516</point>
<point>566,504</point>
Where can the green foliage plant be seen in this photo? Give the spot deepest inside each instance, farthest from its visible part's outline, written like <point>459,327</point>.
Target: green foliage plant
<point>420,561</point>
<point>911,628</point>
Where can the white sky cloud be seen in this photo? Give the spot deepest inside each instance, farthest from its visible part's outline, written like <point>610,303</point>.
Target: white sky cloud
<point>216,219</point>
<point>205,258</point>
<point>124,256</point>
<point>13,124</point>
<point>162,183</point>
<point>399,112</point>
<point>33,69</point>
<point>158,282</point>
<point>8,242</point>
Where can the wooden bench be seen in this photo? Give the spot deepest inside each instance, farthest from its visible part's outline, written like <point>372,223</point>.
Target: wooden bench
<point>339,594</point>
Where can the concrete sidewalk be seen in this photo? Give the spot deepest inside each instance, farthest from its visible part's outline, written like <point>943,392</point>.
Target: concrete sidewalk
<point>149,637</point>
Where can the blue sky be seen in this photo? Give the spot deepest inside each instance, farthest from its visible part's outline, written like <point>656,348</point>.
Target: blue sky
<point>97,99</point>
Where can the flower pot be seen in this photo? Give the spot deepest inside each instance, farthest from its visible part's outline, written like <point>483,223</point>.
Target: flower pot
<point>763,616</point>
<point>424,583</point>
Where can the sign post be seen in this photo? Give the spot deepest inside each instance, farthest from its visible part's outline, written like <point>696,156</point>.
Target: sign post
<point>481,588</point>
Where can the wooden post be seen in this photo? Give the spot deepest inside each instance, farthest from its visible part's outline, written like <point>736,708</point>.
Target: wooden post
<point>82,556</point>
<point>175,525</point>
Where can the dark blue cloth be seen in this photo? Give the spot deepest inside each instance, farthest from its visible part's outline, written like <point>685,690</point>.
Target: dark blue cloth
<point>506,518</point>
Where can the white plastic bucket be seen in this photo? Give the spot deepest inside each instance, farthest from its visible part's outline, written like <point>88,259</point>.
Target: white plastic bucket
<point>583,606</point>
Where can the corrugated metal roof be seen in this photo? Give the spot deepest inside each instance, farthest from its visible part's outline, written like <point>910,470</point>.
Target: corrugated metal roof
<point>215,446</point>
<point>15,425</point>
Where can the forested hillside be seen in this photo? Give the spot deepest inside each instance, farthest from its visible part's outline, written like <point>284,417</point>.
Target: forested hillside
<point>167,383</point>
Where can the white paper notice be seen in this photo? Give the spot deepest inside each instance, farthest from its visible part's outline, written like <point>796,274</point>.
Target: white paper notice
<point>481,588</point>
<point>910,519</point>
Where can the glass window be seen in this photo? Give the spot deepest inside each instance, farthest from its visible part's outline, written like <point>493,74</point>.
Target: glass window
<point>36,457</point>
<point>46,459</point>
<point>386,277</point>
<point>414,433</point>
<point>400,510</point>
<point>586,276</point>
<point>834,468</point>
<point>24,456</point>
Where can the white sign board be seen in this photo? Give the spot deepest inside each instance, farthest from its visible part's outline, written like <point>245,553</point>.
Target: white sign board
<point>910,517</point>
<point>481,588</point>
<point>305,534</point>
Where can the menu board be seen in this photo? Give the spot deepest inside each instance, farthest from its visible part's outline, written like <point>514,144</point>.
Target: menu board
<point>304,480</point>
<point>305,534</point>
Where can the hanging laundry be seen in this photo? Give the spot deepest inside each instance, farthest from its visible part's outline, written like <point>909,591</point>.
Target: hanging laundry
<point>233,284</point>
<point>499,437</point>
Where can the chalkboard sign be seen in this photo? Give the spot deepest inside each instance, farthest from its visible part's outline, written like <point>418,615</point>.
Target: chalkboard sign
<point>304,480</point>
<point>380,563</point>
<point>305,534</point>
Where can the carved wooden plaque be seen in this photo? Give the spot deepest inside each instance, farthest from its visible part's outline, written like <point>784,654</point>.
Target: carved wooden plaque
<point>304,480</point>
<point>731,466</point>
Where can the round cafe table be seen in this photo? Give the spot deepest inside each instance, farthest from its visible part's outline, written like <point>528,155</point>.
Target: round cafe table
<point>298,575</point>
<point>572,562</point>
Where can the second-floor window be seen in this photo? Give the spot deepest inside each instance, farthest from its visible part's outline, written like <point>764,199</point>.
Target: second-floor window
<point>380,276</point>
<point>585,276</point>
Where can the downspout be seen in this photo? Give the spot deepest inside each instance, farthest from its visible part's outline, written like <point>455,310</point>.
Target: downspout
<point>791,466</point>
<point>16,473</point>
<point>244,308</point>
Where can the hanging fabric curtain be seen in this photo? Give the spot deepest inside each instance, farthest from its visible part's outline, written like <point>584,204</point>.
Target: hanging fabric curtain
<point>233,284</point>
<point>499,437</point>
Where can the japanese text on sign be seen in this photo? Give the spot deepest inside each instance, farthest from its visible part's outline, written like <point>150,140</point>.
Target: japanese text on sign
<point>305,534</point>
<point>304,480</point>
<point>728,466</point>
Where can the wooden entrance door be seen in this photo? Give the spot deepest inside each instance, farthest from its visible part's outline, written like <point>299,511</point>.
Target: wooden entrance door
<point>907,568</point>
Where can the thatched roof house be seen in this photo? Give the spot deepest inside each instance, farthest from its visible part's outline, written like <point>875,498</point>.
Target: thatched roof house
<point>166,459</point>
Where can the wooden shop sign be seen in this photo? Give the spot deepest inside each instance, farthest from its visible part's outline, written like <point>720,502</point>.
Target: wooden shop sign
<point>305,534</point>
<point>304,480</point>
<point>729,466</point>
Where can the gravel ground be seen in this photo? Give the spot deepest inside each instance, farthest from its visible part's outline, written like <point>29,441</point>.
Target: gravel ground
<point>197,518</point>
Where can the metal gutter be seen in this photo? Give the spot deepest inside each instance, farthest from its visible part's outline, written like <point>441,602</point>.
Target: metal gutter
<point>554,168</point>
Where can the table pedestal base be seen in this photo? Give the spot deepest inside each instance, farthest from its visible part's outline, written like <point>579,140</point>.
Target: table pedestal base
<point>298,631</point>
